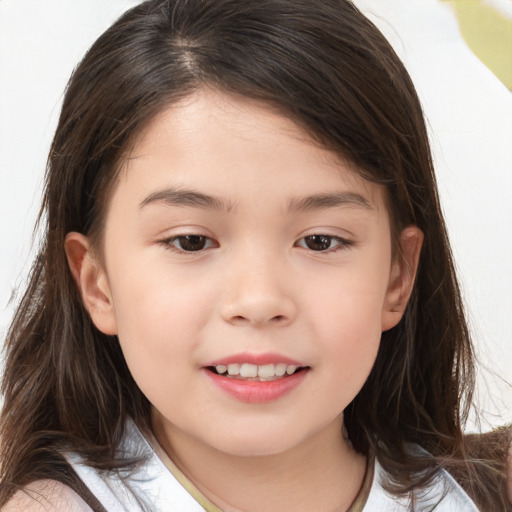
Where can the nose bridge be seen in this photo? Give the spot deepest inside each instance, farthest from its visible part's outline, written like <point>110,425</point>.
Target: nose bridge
<point>257,288</point>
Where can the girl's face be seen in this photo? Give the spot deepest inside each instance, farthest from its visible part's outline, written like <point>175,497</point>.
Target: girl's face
<point>234,244</point>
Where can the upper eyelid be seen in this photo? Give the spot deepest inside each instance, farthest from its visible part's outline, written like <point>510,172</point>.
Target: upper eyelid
<point>175,232</point>
<point>168,243</point>
<point>210,237</point>
<point>348,238</point>
<point>343,240</point>
<point>343,243</point>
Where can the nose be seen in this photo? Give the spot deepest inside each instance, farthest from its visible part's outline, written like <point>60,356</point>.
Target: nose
<point>258,292</point>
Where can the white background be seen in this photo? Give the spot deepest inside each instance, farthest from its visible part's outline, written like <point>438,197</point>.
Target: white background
<point>468,110</point>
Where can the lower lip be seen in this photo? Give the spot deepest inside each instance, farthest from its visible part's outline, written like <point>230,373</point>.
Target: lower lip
<point>257,392</point>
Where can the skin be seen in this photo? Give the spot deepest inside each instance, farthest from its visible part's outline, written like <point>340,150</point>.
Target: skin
<point>46,496</point>
<point>256,287</point>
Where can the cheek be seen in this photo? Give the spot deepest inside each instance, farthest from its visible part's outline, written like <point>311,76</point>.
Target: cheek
<point>156,298</point>
<point>351,339</point>
<point>349,305</point>
<point>158,316</point>
<point>347,320</point>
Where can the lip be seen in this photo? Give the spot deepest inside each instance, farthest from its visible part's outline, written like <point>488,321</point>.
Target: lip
<point>257,359</point>
<point>254,391</point>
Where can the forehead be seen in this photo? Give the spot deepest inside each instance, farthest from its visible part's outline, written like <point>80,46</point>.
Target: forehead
<point>231,144</point>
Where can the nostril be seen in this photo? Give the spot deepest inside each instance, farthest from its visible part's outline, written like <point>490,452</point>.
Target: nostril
<point>243,319</point>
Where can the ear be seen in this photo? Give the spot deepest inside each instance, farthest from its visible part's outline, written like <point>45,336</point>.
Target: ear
<point>92,282</point>
<point>403,274</point>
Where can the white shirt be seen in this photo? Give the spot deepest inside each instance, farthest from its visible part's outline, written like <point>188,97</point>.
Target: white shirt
<point>160,485</point>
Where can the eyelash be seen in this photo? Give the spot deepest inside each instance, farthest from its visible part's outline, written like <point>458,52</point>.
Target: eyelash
<point>168,243</point>
<point>341,243</point>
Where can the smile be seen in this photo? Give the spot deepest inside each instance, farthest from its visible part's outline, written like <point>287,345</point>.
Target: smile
<point>256,379</point>
<point>262,373</point>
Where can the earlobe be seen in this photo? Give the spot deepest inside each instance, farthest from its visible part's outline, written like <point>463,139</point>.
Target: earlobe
<point>403,275</point>
<point>92,282</point>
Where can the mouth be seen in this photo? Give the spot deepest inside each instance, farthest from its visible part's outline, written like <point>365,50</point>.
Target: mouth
<point>258,373</point>
<point>256,378</point>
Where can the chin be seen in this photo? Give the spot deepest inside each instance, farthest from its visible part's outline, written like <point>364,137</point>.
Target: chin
<point>261,443</point>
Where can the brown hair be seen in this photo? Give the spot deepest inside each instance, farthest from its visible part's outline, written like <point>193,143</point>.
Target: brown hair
<point>326,67</point>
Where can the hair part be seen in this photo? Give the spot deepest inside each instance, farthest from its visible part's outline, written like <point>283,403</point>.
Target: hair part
<point>327,68</point>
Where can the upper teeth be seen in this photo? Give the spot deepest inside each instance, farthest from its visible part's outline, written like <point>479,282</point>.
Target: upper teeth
<point>252,370</point>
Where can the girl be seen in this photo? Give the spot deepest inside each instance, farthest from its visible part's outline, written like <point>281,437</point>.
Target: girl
<point>245,299</point>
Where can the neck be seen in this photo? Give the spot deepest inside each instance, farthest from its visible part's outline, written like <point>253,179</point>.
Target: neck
<point>323,473</point>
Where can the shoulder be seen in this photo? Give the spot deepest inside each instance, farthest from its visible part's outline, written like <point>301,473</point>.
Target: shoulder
<point>442,494</point>
<point>454,495</point>
<point>46,496</point>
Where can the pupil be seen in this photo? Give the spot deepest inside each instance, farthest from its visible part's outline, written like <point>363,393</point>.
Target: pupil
<point>318,242</point>
<point>192,242</point>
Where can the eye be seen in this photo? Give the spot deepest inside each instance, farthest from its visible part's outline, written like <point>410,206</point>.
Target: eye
<point>189,243</point>
<point>323,243</point>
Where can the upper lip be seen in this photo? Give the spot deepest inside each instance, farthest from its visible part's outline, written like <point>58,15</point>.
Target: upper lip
<point>256,359</point>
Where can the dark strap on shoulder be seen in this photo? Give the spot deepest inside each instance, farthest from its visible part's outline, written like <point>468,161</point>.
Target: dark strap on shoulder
<point>75,482</point>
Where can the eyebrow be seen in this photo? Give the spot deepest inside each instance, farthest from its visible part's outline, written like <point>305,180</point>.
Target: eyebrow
<point>186,197</point>
<point>321,201</point>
